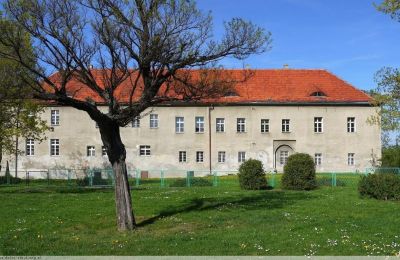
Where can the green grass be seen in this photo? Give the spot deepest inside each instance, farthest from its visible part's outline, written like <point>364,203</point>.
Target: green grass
<point>221,220</point>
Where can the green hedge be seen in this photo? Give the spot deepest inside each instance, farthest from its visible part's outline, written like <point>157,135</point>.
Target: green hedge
<point>299,173</point>
<point>382,186</point>
<point>252,175</point>
<point>194,181</point>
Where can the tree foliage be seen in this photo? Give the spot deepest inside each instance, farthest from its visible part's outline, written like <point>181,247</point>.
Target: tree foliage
<point>387,93</point>
<point>151,45</point>
<point>19,113</point>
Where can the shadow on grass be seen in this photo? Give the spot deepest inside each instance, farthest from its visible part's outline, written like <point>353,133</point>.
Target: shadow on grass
<point>55,189</point>
<point>263,200</point>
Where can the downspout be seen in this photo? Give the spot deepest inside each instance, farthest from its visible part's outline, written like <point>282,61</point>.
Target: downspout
<point>209,138</point>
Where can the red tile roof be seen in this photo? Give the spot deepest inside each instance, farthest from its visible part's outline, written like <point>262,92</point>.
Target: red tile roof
<point>265,86</point>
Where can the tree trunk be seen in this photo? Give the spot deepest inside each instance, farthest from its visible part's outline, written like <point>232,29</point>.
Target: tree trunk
<point>116,152</point>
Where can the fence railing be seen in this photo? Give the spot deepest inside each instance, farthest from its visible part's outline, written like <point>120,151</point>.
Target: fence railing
<point>96,177</point>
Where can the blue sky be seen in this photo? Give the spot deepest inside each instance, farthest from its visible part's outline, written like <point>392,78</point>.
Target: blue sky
<point>349,38</point>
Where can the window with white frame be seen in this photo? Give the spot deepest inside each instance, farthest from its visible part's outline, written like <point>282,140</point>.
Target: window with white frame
<point>199,156</point>
<point>55,117</point>
<point>318,125</point>
<point>350,159</point>
<point>153,120</point>
<point>30,147</point>
<point>90,151</point>
<point>241,125</point>
<point>283,157</point>
<point>144,150</point>
<point>285,125</point>
<point>103,151</point>
<point>54,147</point>
<point>241,157</point>
<point>220,125</point>
<point>318,159</point>
<point>199,125</point>
<point>264,125</point>
<point>221,156</point>
<point>179,124</point>
<point>182,156</point>
<point>136,122</point>
<point>351,124</point>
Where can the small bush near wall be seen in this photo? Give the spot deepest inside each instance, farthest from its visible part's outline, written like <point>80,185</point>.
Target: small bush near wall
<point>299,173</point>
<point>382,186</point>
<point>252,175</point>
<point>13,180</point>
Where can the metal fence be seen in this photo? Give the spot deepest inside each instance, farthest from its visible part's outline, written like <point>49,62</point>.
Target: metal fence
<point>96,177</point>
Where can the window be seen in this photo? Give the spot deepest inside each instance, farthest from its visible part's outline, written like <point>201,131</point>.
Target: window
<point>241,125</point>
<point>96,125</point>
<point>264,125</point>
<point>350,159</point>
<point>179,124</point>
<point>182,156</point>
<point>318,159</point>
<point>241,157</point>
<point>136,122</point>
<point>318,94</point>
<point>283,157</point>
<point>285,125</point>
<point>144,150</point>
<point>103,151</point>
<point>220,125</point>
<point>199,156</point>
<point>54,147</point>
<point>153,120</point>
<point>351,124</point>
<point>318,127</point>
<point>30,147</point>
<point>199,127</point>
<point>90,151</point>
<point>221,156</point>
<point>55,117</point>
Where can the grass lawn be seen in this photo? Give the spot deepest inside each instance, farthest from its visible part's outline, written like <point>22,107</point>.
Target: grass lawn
<point>220,220</point>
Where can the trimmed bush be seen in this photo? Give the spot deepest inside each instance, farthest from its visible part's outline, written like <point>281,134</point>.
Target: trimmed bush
<point>13,180</point>
<point>299,173</point>
<point>252,175</point>
<point>382,186</point>
<point>194,182</point>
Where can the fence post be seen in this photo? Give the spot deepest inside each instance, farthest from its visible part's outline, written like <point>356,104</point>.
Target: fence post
<point>215,179</point>
<point>137,177</point>
<point>90,177</point>
<point>188,178</point>
<point>162,181</point>
<point>273,179</point>
<point>48,177</point>
<point>333,174</point>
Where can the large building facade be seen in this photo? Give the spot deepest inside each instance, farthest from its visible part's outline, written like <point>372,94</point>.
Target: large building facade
<point>274,114</point>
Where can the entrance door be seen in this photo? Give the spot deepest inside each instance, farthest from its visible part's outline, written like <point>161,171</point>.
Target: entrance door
<point>281,156</point>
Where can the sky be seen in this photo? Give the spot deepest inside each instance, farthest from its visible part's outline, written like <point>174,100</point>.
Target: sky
<point>349,38</point>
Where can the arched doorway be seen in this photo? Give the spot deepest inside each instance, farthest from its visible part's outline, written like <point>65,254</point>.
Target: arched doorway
<point>282,153</point>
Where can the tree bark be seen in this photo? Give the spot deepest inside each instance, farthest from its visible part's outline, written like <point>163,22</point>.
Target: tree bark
<point>116,152</point>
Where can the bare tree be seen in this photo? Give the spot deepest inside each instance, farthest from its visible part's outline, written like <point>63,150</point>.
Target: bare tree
<point>151,45</point>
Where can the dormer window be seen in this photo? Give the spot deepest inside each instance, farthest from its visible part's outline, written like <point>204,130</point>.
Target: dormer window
<point>231,94</point>
<point>318,94</point>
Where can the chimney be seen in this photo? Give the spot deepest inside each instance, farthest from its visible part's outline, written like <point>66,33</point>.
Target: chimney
<point>286,66</point>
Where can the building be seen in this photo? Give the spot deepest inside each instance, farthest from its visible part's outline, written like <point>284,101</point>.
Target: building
<point>270,116</point>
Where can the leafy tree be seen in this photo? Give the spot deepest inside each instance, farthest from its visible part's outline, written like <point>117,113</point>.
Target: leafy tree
<point>387,94</point>
<point>19,114</point>
<point>151,45</point>
<point>391,156</point>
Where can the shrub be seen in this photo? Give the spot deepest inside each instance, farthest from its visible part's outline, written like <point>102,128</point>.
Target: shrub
<point>252,176</point>
<point>196,182</point>
<point>299,173</point>
<point>13,180</point>
<point>383,186</point>
<point>83,181</point>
